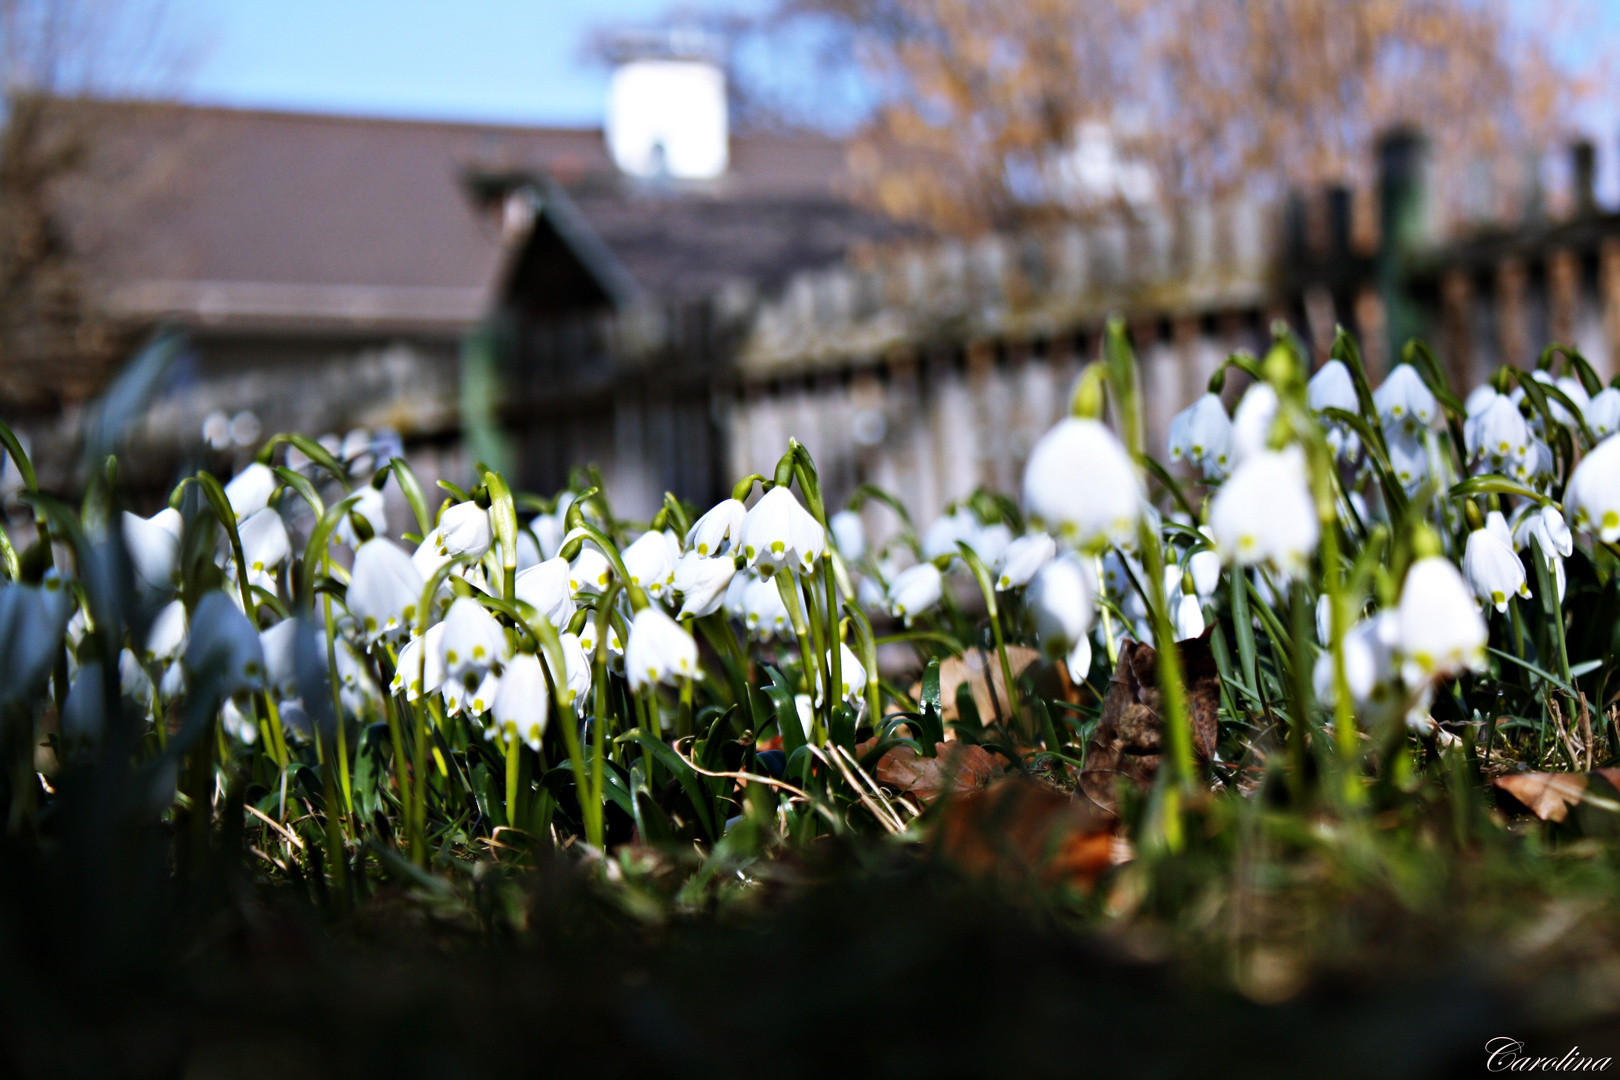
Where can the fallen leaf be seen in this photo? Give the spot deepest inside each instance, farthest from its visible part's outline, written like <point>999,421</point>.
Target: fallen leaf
<point>1018,832</point>
<point>980,669</point>
<point>956,768</point>
<point>1550,796</point>
<point>1128,740</point>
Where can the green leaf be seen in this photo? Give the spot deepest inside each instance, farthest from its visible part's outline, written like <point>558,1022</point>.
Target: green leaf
<point>310,449</point>
<point>412,489</point>
<point>788,724</point>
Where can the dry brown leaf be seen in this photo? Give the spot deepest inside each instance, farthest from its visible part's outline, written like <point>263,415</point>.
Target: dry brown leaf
<point>957,768</point>
<point>1019,832</point>
<point>981,670</point>
<point>1550,796</point>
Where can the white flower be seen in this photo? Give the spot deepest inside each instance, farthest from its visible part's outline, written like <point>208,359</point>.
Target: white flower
<point>384,589</point>
<point>473,641</point>
<point>1324,620</point>
<point>1060,598</point>
<point>576,681</point>
<point>133,679</point>
<point>779,533</point>
<point>427,558</point>
<point>528,551</point>
<point>1408,458</point>
<point>587,640</point>
<point>1441,631</point>
<point>1576,393</point>
<point>715,530</point>
<point>702,583</point>
<point>1332,388</point>
<point>1497,435</point>
<point>1252,422</point>
<point>649,564</point>
<point>281,657</point>
<point>590,571</point>
<point>1548,528</point>
<point>238,724</point>
<point>522,705</point>
<point>249,490</point>
<point>989,542</point>
<point>1593,496</point>
<point>224,641</point>
<point>548,531</point>
<point>849,532</point>
<point>1603,412</point>
<point>420,667</point>
<point>1265,513</point>
<point>83,714</point>
<point>1205,567</point>
<point>941,537</point>
<point>1202,433</point>
<point>1079,659</point>
<point>167,636</point>
<point>1404,401</point>
<point>851,676</point>
<point>659,650</point>
<point>764,613</point>
<point>1369,668</point>
<point>1492,568</point>
<point>1189,617</point>
<point>264,542</point>
<point>369,506</point>
<point>915,591</point>
<point>1480,398</point>
<point>154,547</point>
<point>464,529</point>
<point>1022,559</point>
<point>478,694</point>
<point>733,603</point>
<point>546,589</point>
<point>1082,485</point>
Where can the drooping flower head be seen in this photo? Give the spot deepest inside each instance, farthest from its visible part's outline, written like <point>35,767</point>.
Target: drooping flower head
<point>1081,484</point>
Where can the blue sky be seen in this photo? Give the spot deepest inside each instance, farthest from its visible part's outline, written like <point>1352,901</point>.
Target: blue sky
<point>492,60</point>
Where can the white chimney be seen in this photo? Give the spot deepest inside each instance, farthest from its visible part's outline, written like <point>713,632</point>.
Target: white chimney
<point>667,117</point>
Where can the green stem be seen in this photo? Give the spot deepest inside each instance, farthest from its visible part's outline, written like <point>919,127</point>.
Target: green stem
<point>835,652</point>
<point>419,782</point>
<point>514,750</point>
<point>1172,690</point>
<point>790,598</point>
<point>982,575</point>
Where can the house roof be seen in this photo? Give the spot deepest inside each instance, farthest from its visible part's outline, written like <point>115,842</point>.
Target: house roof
<point>311,221</point>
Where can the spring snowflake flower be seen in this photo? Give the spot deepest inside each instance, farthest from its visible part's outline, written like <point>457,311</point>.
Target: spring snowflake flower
<point>1603,412</point>
<point>659,651</point>
<point>1265,513</point>
<point>1083,486</point>
<point>1204,566</point>
<point>649,563</point>
<point>1404,402</point>
<point>1369,660</point>
<point>154,547</point>
<point>1593,496</point>
<point>384,590</point>
<point>1408,458</point>
<point>473,641</point>
<point>849,533</point>
<point>702,583</point>
<point>420,667</point>
<point>545,588</point>
<point>249,490</point>
<point>1202,434</point>
<point>764,613</point>
<point>1441,630</point>
<point>1491,566</point>
<point>1060,599</point>
<point>1497,436</point>
<point>590,571</point>
<point>522,705</point>
<point>224,641</point>
<point>464,529</point>
<point>265,544</point>
<point>779,534</point>
<point>915,591</point>
<point>1022,559</point>
<point>717,530</point>
<point>1332,388</point>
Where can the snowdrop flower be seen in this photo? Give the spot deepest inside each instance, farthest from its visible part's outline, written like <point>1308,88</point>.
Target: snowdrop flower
<point>1403,401</point>
<point>1205,567</point>
<point>649,564</point>
<point>265,545</point>
<point>778,534</point>
<point>522,704</point>
<point>223,640</point>
<point>849,533</point>
<point>1441,631</point>
<point>473,641</point>
<point>1408,458</point>
<point>702,583</point>
<point>1252,422</point>
<point>384,590</point>
<point>1603,413</point>
<point>1060,598</point>
<point>546,588</point>
<point>464,529</point>
<point>167,636</point>
<point>154,547</point>
<point>1492,567</point>
<point>1369,667</point>
<point>1202,434</point>
<point>1189,617</point>
<point>420,667</point>
<point>576,681</point>
<point>1022,559</point>
<point>915,591</point>
<point>369,506</point>
<point>1332,388</point>
<point>764,613</point>
<point>1593,495</point>
<point>249,490</point>
<point>1265,513</point>
<point>660,651</point>
<point>590,571</point>
<point>1497,435</point>
<point>1082,485</point>
<point>720,527</point>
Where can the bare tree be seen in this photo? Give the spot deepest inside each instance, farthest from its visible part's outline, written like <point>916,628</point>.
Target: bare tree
<point>987,113</point>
